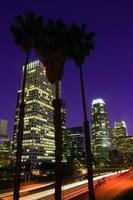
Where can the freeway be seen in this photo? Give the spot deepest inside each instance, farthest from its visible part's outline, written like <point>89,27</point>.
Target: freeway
<point>113,188</point>
<point>116,188</point>
<point>105,185</point>
<point>68,191</point>
<point>25,188</point>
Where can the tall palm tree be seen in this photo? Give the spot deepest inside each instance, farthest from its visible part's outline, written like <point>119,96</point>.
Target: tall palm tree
<point>51,46</point>
<point>25,30</point>
<point>81,44</point>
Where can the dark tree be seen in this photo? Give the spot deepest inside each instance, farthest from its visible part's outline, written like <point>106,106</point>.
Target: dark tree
<point>52,48</point>
<point>81,44</point>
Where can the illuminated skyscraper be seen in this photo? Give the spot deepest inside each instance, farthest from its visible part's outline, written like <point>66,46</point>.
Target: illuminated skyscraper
<point>74,145</point>
<point>119,130</point>
<point>5,152</point>
<point>100,133</point>
<point>5,144</point>
<point>38,136</point>
<point>3,128</point>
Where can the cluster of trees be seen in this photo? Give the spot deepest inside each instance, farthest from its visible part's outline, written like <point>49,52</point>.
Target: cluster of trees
<point>54,42</point>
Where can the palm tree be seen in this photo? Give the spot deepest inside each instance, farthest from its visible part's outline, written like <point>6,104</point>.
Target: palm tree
<point>81,44</point>
<point>51,46</point>
<point>25,30</point>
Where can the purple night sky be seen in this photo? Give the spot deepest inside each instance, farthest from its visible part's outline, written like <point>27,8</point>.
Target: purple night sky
<point>108,71</point>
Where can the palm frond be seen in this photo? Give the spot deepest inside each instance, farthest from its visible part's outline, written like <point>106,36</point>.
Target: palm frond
<point>26,30</point>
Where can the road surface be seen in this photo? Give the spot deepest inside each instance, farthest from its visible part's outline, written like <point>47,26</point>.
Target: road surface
<point>107,188</point>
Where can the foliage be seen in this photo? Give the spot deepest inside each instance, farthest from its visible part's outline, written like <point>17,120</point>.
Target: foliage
<point>51,47</point>
<point>26,29</point>
<point>6,172</point>
<point>47,167</point>
<point>81,43</point>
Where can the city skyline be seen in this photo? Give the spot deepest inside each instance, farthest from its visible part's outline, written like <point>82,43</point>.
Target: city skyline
<point>110,73</point>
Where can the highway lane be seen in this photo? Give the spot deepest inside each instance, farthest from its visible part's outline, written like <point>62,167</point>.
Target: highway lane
<point>68,191</point>
<point>112,189</point>
<point>26,188</point>
<point>74,188</point>
<point>116,187</point>
<point>78,190</point>
<point>34,186</point>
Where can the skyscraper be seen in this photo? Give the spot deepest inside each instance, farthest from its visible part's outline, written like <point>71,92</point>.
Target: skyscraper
<point>38,137</point>
<point>119,130</point>
<point>5,152</point>
<point>100,133</point>
<point>5,144</point>
<point>3,128</point>
<point>74,145</point>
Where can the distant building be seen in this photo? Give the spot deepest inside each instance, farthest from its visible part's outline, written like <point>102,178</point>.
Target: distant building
<point>63,116</point>
<point>119,130</point>
<point>3,128</point>
<point>124,149</point>
<point>5,144</point>
<point>74,145</point>
<point>38,136</point>
<point>100,133</point>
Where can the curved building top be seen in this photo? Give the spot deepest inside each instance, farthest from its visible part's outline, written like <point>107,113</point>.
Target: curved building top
<point>98,101</point>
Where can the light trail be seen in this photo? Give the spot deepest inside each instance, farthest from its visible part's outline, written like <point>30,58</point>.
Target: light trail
<point>30,188</point>
<point>66,187</point>
<point>115,188</point>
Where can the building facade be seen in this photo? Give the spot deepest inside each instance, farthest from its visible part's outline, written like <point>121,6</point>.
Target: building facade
<point>74,145</point>
<point>100,133</point>
<point>5,152</point>
<point>5,144</point>
<point>125,150</point>
<point>3,128</point>
<point>38,137</point>
<point>119,130</point>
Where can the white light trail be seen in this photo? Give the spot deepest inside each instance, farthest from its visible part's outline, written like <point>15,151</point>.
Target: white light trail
<point>26,190</point>
<point>66,187</point>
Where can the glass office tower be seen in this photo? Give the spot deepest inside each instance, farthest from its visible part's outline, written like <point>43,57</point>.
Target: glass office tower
<point>100,133</point>
<point>38,136</point>
<point>119,130</point>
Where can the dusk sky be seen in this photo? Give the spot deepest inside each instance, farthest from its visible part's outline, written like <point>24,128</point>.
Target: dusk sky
<point>108,71</point>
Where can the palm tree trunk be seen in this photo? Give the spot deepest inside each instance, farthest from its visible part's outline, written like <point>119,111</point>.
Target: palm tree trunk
<point>57,104</point>
<point>87,141</point>
<point>17,176</point>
